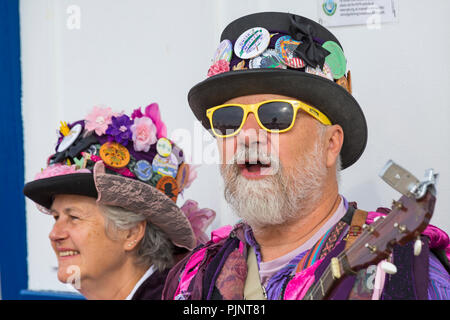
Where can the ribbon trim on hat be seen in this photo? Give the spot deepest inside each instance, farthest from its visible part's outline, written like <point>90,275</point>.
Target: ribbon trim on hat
<point>309,50</point>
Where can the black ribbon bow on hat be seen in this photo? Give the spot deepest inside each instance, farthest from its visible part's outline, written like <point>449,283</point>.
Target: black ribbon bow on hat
<point>309,50</point>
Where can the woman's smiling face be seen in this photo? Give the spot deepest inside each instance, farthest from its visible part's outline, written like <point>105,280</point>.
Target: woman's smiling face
<point>79,240</point>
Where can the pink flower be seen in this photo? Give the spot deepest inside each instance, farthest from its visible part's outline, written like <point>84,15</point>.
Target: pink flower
<point>200,219</point>
<point>137,113</point>
<point>152,111</point>
<point>59,169</point>
<point>144,133</point>
<point>98,120</point>
<point>220,66</point>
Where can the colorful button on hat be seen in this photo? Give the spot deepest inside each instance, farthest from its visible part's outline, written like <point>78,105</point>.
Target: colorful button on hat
<point>164,147</point>
<point>268,59</point>
<point>252,43</point>
<point>168,186</point>
<point>336,59</point>
<point>70,137</point>
<point>143,170</point>
<point>166,166</point>
<point>285,47</point>
<point>224,51</point>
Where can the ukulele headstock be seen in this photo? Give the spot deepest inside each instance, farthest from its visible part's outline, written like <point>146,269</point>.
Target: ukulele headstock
<point>409,217</point>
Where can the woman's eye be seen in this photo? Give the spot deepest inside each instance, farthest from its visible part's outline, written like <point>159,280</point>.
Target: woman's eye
<point>74,217</point>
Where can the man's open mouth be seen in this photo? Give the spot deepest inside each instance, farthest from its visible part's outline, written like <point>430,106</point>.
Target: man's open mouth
<point>254,166</point>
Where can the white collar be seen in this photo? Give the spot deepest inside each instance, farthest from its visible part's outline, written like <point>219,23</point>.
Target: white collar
<point>146,275</point>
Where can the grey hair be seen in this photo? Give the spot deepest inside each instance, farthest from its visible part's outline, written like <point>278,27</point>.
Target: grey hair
<point>154,248</point>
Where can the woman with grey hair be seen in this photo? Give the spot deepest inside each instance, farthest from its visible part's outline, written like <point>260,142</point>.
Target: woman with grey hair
<point>111,188</point>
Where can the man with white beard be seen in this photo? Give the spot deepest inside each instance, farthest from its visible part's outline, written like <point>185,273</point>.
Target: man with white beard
<point>284,132</point>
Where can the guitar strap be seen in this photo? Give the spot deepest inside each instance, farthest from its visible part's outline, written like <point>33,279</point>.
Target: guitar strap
<point>358,219</point>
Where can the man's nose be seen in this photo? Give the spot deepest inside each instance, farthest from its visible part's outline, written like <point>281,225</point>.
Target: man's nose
<point>250,131</point>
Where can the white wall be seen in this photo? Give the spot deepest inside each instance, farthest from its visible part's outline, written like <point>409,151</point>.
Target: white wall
<point>131,53</point>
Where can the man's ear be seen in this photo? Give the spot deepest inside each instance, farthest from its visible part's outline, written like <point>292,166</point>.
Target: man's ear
<point>134,235</point>
<point>333,143</point>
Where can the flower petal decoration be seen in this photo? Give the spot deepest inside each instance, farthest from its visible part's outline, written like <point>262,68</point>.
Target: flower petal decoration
<point>143,133</point>
<point>98,120</point>
<point>59,169</point>
<point>220,66</point>
<point>119,129</point>
<point>137,113</point>
<point>192,175</point>
<point>152,111</point>
<point>200,219</point>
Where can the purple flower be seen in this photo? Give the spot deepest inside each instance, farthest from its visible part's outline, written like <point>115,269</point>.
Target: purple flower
<point>119,129</point>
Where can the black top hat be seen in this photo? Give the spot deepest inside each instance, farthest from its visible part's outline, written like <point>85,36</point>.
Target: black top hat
<point>238,78</point>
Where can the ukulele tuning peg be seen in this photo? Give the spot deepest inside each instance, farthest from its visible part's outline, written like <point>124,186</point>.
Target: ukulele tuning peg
<point>417,246</point>
<point>378,218</point>
<point>388,267</point>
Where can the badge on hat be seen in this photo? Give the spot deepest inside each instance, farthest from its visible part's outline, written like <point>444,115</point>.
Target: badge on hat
<point>285,47</point>
<point>168,186</point>
<point>224,51</point>
<point>163,147</point>
<point>336,59</point>
<point>114,155</point>
<point>70,137</point>
<point>166,166</point>
<point>268,59</point>
<point>178,153</point>
<point>182,176</point>
<point>252,43</point>
<point>325,72</point>
<point>143,170</point>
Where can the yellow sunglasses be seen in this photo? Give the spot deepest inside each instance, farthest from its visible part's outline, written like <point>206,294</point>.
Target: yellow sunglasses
<point>272,115</point>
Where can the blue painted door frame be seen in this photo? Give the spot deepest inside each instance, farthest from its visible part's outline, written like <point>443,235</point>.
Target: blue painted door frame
<point>13,246</point>
<point>13,235</point>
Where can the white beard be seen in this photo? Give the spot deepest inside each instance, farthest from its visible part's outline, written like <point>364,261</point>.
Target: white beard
<point>278,198</point>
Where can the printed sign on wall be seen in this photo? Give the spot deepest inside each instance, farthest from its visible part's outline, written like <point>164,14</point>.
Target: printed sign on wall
<point>372,13</point>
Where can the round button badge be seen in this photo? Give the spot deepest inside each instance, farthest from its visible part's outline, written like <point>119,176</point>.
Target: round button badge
<point>143,170</point>
<point>114,155</point>
<point>224,51</point>
<point>285,47</point>
<point>168,186</point>
<point>268,59</point>
<point>336,59</point>
<point>163,147</point>
<point>167,166</point>
<point>182,176</point>
<point>178,153</point>
<point>70,138</point>
<point>252,43</point>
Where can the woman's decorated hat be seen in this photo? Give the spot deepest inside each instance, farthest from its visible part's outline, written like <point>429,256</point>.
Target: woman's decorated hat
<point>286,54</point>
<point>124,161</point>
